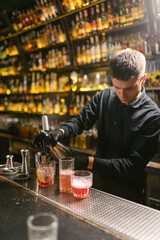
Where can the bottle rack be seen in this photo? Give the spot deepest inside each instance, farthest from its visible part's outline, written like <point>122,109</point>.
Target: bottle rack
<point>62,34</point>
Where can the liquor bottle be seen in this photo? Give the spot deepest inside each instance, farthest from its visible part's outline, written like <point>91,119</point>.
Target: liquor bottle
<point>72,106</point>
<point>128,13</point>
<point>72,5</point>
<point>97,80</point>
<point>40,61</point>
<point>56,34</point>
<point>15,21</point>
<point>33,84</point>
<point>84,60</point>
<point>104,48</point>
<point>42,82</point>
<point>93,20</point>
<point>53,59</point>
<point>64,57</point>
<point>57,108</point>
<point>140,43</point>
<point>122,12</point>
<point>110,47</point>
<point>116,22</point>
<point>63,107</point>
<point>81,32</point>
<point>81,105</point>
<point>85,83</point>
<point>98,19</point>
<point>105,23</point>
<point>61,35</point>
<point>59,150</point>
<point>52,36</point>
<point>68,57</point>
<point>77,106</point>
<point>141,9</point>
<point>25,87</point>
<point>98,49</point>
<point>77,24</point>
<point>124,42</point>
<point>54,10</point>
<point>47,84</point>
<point>79,56</point>
<point>88,53</point>
<point>65,5</point>
<point>39,103</point>
<point>60,59</point>
<point>86,2</point>
<point>45,37</point>
<point>53,82</point>
<point>74,30</point>
<point>135,11</point>
<point>133,41</point>
<point>117,45</point>
<point>87,24</point>
<point>157,45</point>
<point>110,15</point>
<point>93,50</point>
<point>79,3</point>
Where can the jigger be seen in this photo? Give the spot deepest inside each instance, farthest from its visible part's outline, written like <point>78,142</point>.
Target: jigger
<point>8,169</point>
<point>9,161</point>
<point>24,154</point>
<point>23,175</point>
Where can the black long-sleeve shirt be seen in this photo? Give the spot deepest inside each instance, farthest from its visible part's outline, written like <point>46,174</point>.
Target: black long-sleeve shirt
<point>127,134</point>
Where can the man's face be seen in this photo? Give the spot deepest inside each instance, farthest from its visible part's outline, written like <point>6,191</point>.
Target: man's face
<point>128,91</point>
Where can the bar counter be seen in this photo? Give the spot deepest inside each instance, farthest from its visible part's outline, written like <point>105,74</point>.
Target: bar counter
<point>100,216</point>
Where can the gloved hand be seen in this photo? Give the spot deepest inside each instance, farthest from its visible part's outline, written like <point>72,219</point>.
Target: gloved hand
<point>48,138</point>
<point>81,160</point>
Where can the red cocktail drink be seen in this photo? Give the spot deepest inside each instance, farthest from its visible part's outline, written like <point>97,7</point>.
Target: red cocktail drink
<point>81,182</point>
<point>80,189</point>
<point>66,166</point>
<point>65,180</point>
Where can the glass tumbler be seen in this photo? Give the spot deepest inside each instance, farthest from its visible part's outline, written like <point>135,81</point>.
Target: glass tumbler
<point>81,182</point>
<point>42,226</point>
<point>66,167</point>
<point>45,169</point>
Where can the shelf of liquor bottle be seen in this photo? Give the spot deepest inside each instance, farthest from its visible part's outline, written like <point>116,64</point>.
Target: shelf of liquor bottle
<point>9,57</point>
<point>40,24</point>
<point>11,136</point>
<point>64,93</point>
<point>152,88</point>
<point>113,30</point>
<point>35,114</point>
<point>46,48</point>
<point>57,69</point>
<point>87,91</point>
<point>11,75</point>
<point>5,30</point>
<point>94,65</point>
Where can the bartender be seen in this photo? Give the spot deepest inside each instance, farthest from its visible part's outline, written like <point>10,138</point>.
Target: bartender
<point>128,129</point>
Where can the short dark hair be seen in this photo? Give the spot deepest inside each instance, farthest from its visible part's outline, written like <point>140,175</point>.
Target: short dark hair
<point>126,64</point>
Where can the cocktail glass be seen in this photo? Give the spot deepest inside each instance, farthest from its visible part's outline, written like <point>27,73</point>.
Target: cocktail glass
<point>81,182</point>
<point>42,226</point>
<point>66,167</point>
<point>45,169</point>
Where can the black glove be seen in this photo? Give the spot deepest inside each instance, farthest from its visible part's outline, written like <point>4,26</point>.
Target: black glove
<point>81,160</point>
<point>48,138</point>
